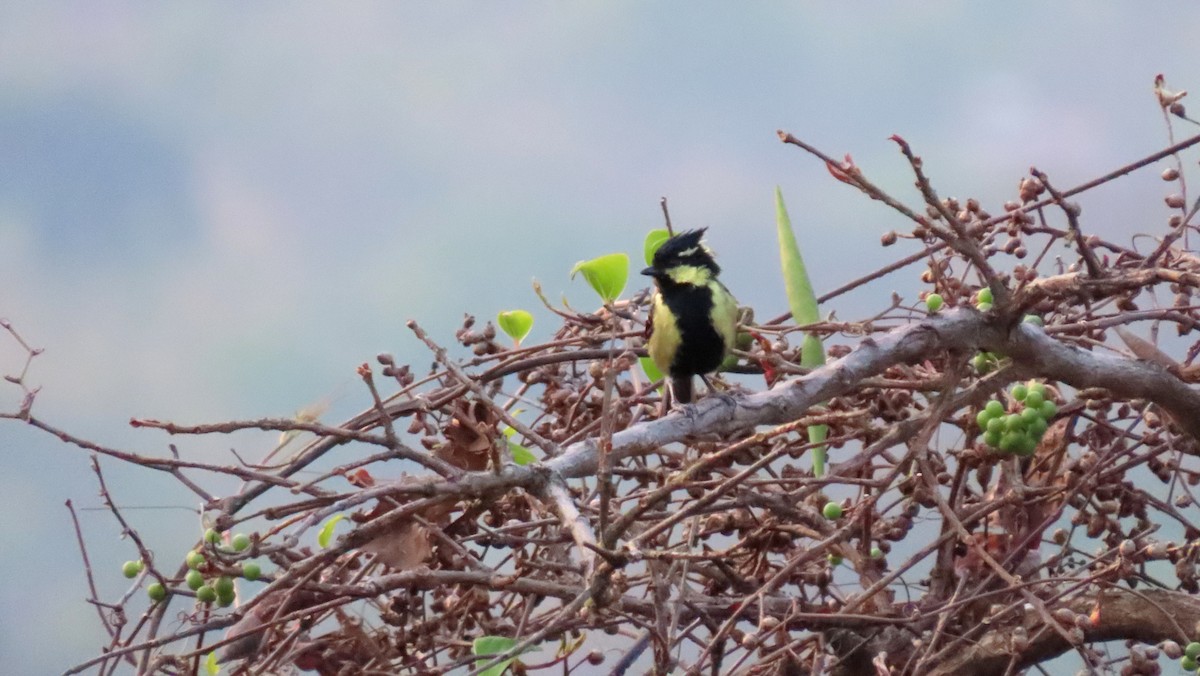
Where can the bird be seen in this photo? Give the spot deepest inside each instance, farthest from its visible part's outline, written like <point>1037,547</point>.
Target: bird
<point>693,317</point>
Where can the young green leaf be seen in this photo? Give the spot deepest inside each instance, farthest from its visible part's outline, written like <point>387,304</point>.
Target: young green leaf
<point>805,310</point>
<point>606,274</point>
<point>520,454</point>
<point>650,368</point>
<point>326,535</point>
<point>654,239</point>
<point>516,323</point>
<point>487,646</point>
<point>210,664</point>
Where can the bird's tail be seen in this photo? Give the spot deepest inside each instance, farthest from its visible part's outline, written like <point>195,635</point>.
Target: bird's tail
<point>681,387</point>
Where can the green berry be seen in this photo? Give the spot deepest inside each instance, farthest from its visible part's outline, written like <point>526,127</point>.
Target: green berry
<point>984,307</point>
<point>206,594</point>
<point>1009,442</point>
<point>1026,446</point>
<point>876,553</point>
<point>195,560</point>
<point>1033,319</point>
<point>131,569</point>
<point>1031,414</point>
<point>835,559</point>
<point>225,591</point>
<point>1192,650</point>
<point>983,363</point>
<point>1037,386</point>
<point>224,585</point>
<point>832,511</point>
<point>1034,399</point>
<point>194,580</point>
<point>1048,409</point>
<point>1019,391</point>
<point>934,302</point>
<point>1037,428</point>
<point>1188,663</point>
<point>995,408</point>
<point>211,536</point>
<point>995,425</point>
<point>156,592</point>
<point>992,438</point>
<point>984,296</point>
<point>240,542</point>
<point>1014,423</point>
<point>983,418</point>
<point>251,571</point>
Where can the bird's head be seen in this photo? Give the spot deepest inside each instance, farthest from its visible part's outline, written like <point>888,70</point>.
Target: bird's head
<point>684,259</point>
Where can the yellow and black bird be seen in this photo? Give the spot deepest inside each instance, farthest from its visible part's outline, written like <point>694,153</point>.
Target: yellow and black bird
<point>693,317</point>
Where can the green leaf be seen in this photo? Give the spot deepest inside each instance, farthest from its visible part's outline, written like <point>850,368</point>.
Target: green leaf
<point>210,664</point>
<point>326,534</point>
<point>801,299</point>
<point>654,239</point>
<point>606,274</point>
<point>486,646</point>
<point>805,310</point>
<point>520,454</point>
<point>516,323</point>
<point>650,368</point>
<point>652,371</point>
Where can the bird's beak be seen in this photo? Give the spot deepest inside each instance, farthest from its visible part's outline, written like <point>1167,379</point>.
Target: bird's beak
<point>649,272</point>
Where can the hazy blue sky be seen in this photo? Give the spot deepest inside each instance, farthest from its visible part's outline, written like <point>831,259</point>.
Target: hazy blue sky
<point>217,211</point>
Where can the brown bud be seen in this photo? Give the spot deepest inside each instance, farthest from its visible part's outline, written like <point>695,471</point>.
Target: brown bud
<point>889,238</point>
<point>768,623</point>
<point>1175,201</point>
<point>1170,174</point>
<point>1029,189</point>
<point>1171,649</point>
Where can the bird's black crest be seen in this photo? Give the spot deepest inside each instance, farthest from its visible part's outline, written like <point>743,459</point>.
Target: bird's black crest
<point>685,249</point>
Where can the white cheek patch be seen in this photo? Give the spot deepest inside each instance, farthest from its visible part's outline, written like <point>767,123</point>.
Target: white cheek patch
<point>690,274</point>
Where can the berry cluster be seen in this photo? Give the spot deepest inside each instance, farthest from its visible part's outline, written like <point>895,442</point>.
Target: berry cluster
<point>215,587</point>
<point>1017,431</point>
